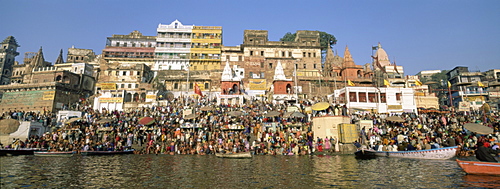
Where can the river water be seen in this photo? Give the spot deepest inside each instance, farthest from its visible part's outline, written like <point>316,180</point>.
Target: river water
<point>196,171</point>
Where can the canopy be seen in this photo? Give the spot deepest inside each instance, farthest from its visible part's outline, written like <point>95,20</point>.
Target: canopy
<point>297,114</point>
<point>206,108</point>
<point>8,126</point>
<point>395,119</point>
<point>104,121</point>
<point>272,114</point>
<point>146,121</point>
<point>190,116</point>
<point>320,106</point>
<point>71,120</point>
<point>235,113</point>
<point>478,128</point>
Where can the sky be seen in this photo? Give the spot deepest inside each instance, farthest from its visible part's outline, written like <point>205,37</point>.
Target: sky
<point>419,35</point>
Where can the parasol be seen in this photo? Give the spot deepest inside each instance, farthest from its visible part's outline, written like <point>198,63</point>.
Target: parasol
<point>71,120</point>
<point>394,119</point>
<point>104,121</point>
<point>8,126</point>
<point>190,116</point>
<point>320,106</point>
<point>235,113</point>
<point>272,114</point>
<point>146,121</point>
<point>297,114</point>
<point>478,128</point>
<point>206,108</point>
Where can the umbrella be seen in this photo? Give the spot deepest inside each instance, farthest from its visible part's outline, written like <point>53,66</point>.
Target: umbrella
<point>395,119</point>
<point>190,116</point>
<point>478,128</point>
<point>8,126</point>
<point>104,121</point>
<point>235,113</point>
<point>297,114</point>
<point>206,108</point>
<point>320,106</point>
<point>73,120</point>
<point>146,121</point>
<point>272,114</point>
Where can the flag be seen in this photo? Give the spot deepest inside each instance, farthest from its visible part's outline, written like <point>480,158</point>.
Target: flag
<point>374,48</point>
<point>396,67</point>
<point>197,89</point>
<point>386,82</point>
<point>449,84</point>
<point>417,82</point>
<point>350,83</point>
<point>479,84</point>
<point>378,64</point>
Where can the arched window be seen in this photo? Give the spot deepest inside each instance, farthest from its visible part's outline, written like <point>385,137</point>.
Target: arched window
<point>58,78</point>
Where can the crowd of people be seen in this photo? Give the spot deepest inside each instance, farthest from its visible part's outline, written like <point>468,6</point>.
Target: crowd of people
<point>228,128</point>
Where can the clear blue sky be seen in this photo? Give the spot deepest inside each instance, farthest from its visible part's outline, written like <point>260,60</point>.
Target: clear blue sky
<point>419,35</point>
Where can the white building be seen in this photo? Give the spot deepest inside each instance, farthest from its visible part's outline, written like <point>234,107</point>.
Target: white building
<point>173,44</point>
<point>381,100</point>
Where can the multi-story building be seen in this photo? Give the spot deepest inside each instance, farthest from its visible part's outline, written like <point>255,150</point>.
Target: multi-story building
<point>131,48</point>
<point>427,74</point>
<point>43,87</point>
<point>8,54</point>
<point>205,52</point>
<point>173,46</point>
<point>259,58</point>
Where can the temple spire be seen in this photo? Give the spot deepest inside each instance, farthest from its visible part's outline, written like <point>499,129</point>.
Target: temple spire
<point>227,74</point>
<point>38,60</point>
<point>279,74</point>
<point>60,58</point>
<point>348,61</point>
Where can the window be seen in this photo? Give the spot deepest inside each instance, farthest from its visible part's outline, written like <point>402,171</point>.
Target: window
<point>314,54</point>
<point>314,65</point>
<point>289,54</point>
<point>262,75</point>
<point>309,54</point>
<point>372,97</point>
<point>240,58</point>
<point>251,53</point>
<point>227,57</point>
<point>282,54</point>
<point>398,96</point>
<point>303,54</point>
<point>305,66</point>
<point>296,66</point>
<point>123,86</point>
<point>206,86</point>
<point>362,97</point>
<point>176,85</point>
<point>190,85</point>
<point>124,73</point>
<point>129,86</point>
<point>271,65</point>
<point>352,97</point>
<point>261,53</point>
<point>382,98</point>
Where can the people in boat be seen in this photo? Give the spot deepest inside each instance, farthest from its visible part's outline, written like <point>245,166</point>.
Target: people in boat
<point>484,153</point>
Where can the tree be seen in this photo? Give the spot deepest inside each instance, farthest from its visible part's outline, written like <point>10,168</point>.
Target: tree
<point>325,40</point>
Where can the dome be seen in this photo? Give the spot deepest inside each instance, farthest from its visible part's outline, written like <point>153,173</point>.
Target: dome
<point>382,56</point>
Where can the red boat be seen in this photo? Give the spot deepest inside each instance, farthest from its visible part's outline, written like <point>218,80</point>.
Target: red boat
<point>480,167</point>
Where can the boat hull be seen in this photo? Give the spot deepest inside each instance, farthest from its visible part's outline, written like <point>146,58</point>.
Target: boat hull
<point>438,153</point>
<point>480,167</point>
<point>57,154</point>
<point>100,153</point>
<point>17,152</point>
<point>241,155</point>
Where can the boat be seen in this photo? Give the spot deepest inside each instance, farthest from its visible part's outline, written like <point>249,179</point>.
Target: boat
<point>97,153</point>
<point>480,167</point>
<point>438,153</point>
<point>17,152</point>
<point>240,155</point>
<point>59,154</point>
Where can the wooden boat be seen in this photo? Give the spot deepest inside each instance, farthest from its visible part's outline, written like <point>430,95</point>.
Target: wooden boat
<point>97,153</point>
<point>17,152</point>
<point>59,154</point>
<point>480,167</point>
<point>239,155</point>
<point>438,153</point>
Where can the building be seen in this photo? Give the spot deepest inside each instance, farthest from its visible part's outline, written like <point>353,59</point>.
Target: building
<point>173,46</point>
<point>385,70</point>
<point>132,48</point>
<point>43,87</point>
<point>8,54</point>
<point>468,91</point>
<point>259,57</point>
<point>427,74</point>
<point>124,85</point>
<point>377,100</point>
<point>206,45</point>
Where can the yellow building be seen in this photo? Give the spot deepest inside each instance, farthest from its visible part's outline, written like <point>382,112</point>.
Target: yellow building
<point>205,53</point>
